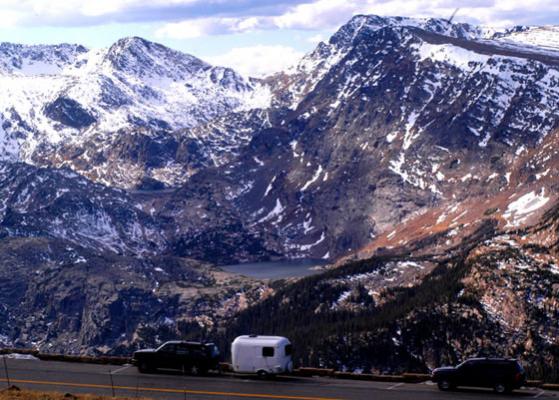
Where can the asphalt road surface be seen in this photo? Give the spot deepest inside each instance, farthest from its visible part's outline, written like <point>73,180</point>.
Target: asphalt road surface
<point>127,381</point>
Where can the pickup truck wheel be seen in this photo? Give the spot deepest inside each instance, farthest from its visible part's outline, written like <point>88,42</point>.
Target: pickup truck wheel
<point>144,367</point>
<point>445,385</point>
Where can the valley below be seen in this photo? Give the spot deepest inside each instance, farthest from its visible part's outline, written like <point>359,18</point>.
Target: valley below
<point>277,269</point>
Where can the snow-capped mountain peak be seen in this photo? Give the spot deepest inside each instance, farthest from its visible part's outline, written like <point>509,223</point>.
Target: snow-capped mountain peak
<point>134,55</point>
<point>66,93</point>
<point>436,25</point>
<point>317,63</point>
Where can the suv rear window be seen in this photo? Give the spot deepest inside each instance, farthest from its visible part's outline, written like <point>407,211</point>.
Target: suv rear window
<point>267,351</point>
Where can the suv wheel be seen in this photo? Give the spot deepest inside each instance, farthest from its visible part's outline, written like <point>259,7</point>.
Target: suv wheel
<point>445,385</point>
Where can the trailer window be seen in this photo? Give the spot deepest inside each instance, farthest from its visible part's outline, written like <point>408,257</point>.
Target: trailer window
<point>288,350</point>
<point>267,351</point>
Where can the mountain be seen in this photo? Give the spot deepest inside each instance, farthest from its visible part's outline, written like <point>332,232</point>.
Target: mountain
<point>427,158</point>
<point>65,97</point>
<point>415,155</point>
<point>302,79</point>
<point>61,204</point>
<point>387,120</point>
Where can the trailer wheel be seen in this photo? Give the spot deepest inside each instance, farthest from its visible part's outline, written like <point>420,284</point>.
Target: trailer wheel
<point>262,374</point>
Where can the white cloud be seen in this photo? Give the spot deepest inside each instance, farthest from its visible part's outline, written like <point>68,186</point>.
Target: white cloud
<point>9,19</point>
<point>315,15</point>
<point>210,26</point>
<point>57,13</point>
<point>318,15</point>
<point>214,17</point>
<point>258,61</point>
<point>328,14</point>
<point>315,39</point>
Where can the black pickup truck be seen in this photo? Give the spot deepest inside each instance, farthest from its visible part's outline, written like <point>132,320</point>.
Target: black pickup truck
<point>190,357</point>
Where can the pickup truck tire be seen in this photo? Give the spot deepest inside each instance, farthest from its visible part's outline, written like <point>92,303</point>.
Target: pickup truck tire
<point>445,385</point>
<point>144,367</point>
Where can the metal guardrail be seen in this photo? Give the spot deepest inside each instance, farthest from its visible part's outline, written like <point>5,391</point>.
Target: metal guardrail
<point>226,367</point>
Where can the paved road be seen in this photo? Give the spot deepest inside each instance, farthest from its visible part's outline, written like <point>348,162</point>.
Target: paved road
<point>90,378</point>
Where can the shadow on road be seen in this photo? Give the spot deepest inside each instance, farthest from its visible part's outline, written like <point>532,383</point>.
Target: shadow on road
<point>490,392</point>
<point>229,375</point>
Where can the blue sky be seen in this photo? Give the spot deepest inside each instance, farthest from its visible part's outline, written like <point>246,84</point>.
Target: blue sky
<point>254,36</point>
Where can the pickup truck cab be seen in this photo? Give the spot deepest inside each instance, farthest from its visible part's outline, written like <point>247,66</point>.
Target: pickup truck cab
<point>190,357</point>
<point>501,374</point>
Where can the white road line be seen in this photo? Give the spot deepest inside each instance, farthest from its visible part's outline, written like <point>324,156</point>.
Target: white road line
<point>116,371</point>
<point>542,392</point>
<point>395,386</point>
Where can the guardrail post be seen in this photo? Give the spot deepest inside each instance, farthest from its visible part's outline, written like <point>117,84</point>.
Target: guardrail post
<point>112,383</point>
<point>6,370</point>
<point>183,381</point>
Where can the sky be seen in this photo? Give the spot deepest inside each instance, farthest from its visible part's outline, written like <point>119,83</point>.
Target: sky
<point>256,37</point>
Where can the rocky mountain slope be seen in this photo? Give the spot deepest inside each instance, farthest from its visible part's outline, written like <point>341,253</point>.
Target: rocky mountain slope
<point>389,119</point>
<point>63,205</point>
<point>62,297</point>
<point>495,299</point>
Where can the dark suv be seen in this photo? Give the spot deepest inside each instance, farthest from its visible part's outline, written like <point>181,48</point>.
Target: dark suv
<point>501,374</point>
<point>191,357</point>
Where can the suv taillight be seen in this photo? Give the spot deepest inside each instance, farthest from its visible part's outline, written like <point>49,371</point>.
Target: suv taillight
<point>518,377</point>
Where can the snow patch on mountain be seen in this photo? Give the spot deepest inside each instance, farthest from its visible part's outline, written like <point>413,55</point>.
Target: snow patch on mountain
<point>519,210</point>
<point>314,178</point>
<point>447,53</point>
<point>541,37</point>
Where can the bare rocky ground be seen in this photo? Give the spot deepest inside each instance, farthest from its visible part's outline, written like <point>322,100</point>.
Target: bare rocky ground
<point>14,393</point>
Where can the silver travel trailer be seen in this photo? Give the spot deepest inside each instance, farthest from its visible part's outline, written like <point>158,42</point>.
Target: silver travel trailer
<point>262,355</point>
